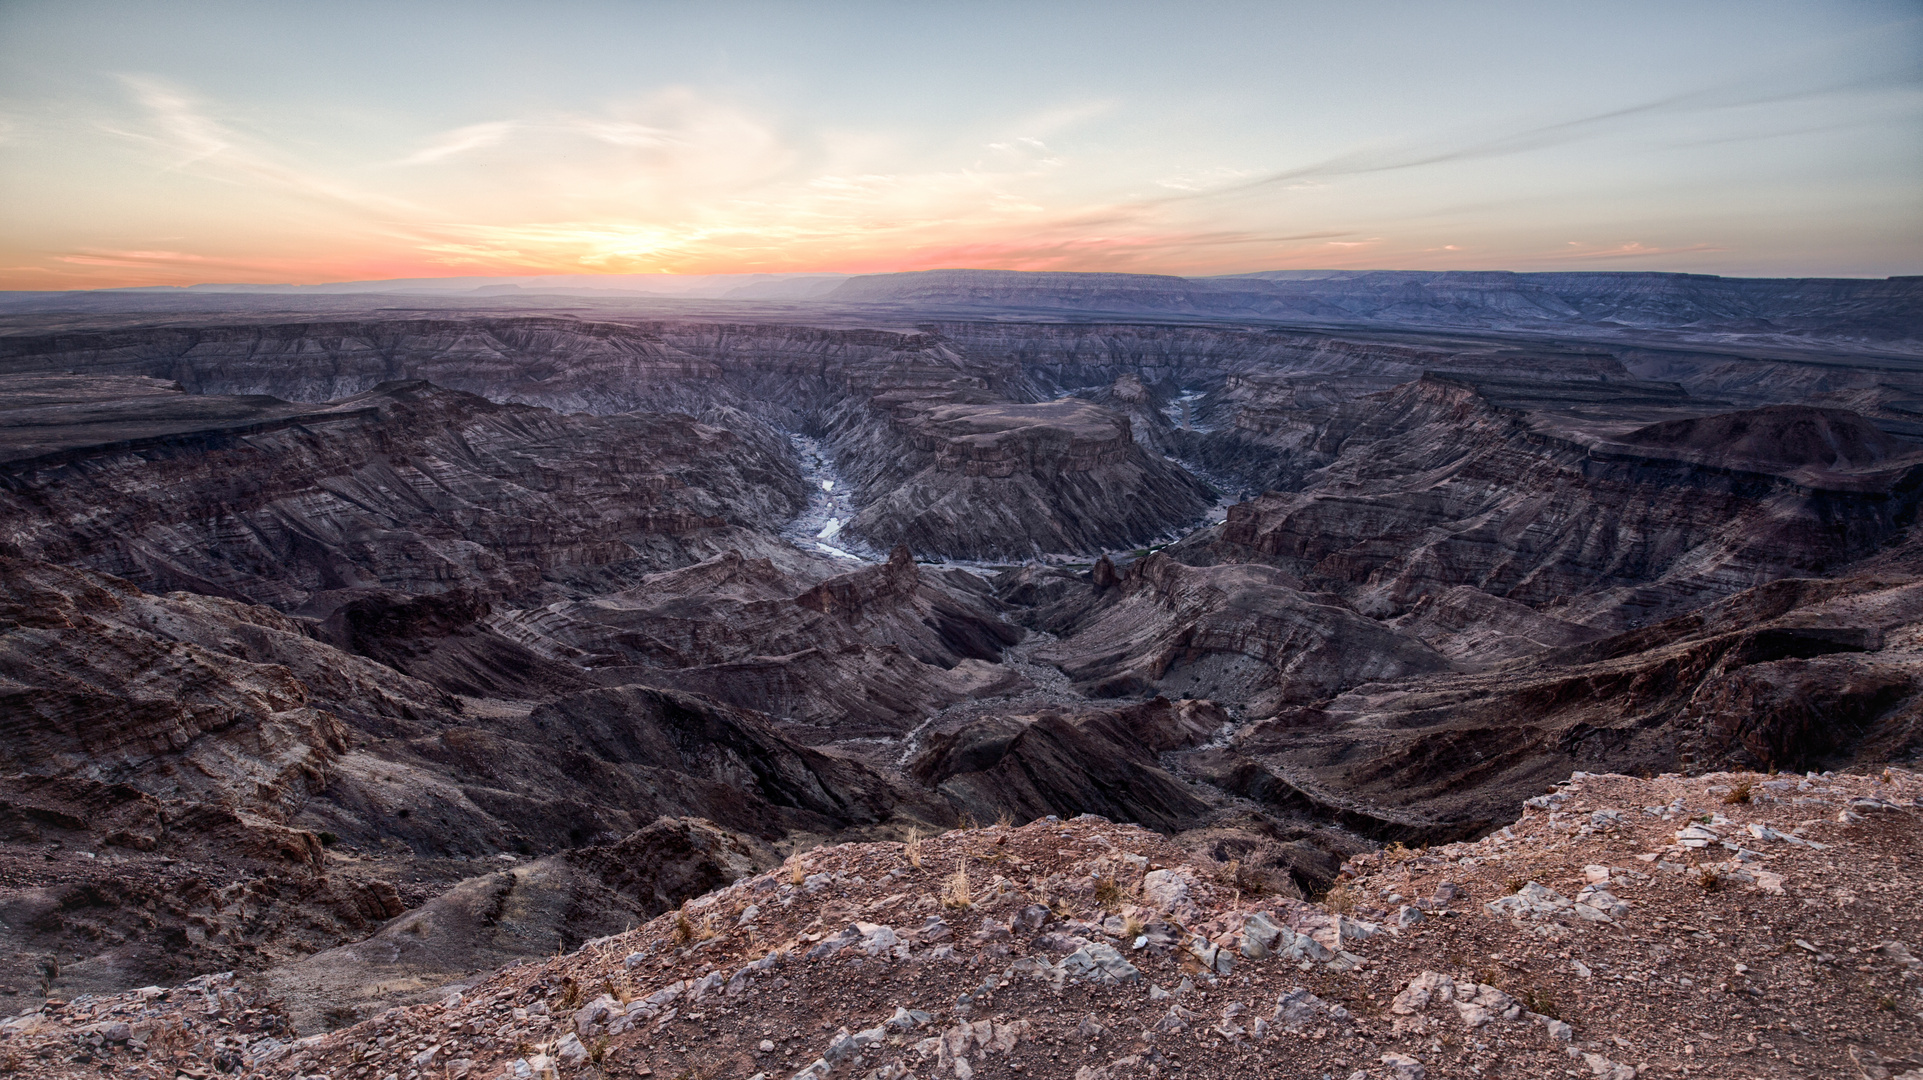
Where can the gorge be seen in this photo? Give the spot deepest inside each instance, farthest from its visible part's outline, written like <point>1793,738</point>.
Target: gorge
<point>316,613</point>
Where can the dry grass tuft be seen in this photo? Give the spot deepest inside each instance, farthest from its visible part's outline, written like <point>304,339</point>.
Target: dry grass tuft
<point>683,928</point>
<point>1338,899</point>
<point>1709,879</point>
<point>1538,1001</point>
<point>956,893</point>
<point>1741,792</point>
<point>1110,894</point>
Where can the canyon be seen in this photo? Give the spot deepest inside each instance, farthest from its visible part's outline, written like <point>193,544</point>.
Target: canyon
<point>520,622</point>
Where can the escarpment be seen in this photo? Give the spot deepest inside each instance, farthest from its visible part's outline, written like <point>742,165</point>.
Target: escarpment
<point>364,653</point>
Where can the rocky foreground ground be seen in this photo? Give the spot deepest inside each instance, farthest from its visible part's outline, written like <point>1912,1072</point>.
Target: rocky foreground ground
<point>1728,925</point>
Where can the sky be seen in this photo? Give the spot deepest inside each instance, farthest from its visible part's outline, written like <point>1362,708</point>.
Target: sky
<point>191,142</point>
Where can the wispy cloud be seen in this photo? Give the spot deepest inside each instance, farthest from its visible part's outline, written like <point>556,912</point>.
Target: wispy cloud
<point>189,140</point>
<point>1776,87</point>
<point>460,141</point>
<point>1629,250</point>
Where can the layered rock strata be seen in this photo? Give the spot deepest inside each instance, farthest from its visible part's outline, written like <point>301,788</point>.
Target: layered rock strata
<point>952,475</point>
<point>407,487</point>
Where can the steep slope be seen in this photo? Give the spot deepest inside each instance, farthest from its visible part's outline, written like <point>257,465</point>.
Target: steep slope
<point>954,473</point>
<point>1618,928</point>
<point>1434,485</point>
<point>407,487</point>
<point>1797,674</point>
<point>1243,633</point>
<point>859,654</point>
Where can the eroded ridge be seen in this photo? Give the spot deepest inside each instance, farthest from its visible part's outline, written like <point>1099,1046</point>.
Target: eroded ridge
<point>1723,925</point>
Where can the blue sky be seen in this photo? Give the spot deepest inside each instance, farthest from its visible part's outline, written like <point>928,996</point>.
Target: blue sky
<point>191,142</point>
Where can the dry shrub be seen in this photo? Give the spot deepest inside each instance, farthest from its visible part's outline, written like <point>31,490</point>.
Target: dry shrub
<point>571,995</point>
<point>1005,819</point>
<point>797,871</point>
<point>1132,928</point>
<point>1741,792</point>
<point>1514,884</point>
<point>912,848</point>
<point>1709,879</point>
<point>619,988</point>
<point>1110,894</point>
<point>1338,899</point>
<point>683,928</point>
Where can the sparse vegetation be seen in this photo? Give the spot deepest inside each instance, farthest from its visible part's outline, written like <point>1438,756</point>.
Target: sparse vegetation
<point>1338,899</point>
<point>1537,1000</point>
<point>1709,879</point>
<point>683,928</point>
<point>1513,884</point>
<point>1109,894</point>
<point>618,988</point>
<point>955,893</point>
<point>912,849</point>
<point>1741,792</point>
